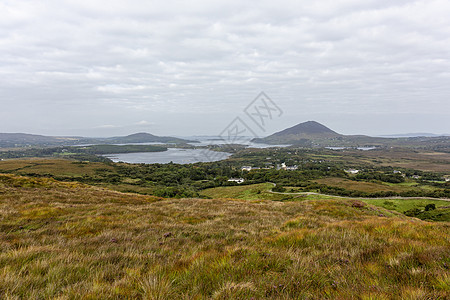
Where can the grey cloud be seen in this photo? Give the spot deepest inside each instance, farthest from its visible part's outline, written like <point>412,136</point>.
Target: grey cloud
<point>79,65</point>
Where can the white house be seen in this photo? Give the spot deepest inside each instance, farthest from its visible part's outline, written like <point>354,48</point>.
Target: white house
<point>237,180</point>
<point>352,171</point>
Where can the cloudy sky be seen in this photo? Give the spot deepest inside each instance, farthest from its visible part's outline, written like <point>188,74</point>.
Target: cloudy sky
<point>101,68</point>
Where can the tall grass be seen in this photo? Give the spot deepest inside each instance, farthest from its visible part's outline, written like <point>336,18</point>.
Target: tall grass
<point>71,241</point>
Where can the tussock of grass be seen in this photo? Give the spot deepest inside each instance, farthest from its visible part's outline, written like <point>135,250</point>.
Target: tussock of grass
<point>67,241</point>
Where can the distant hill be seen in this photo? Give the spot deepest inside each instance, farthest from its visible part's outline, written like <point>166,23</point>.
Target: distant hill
<point>307,129</point>
<point>143,137</point>
<point>314,134</point>
<point>306,133</point>
<point>11,140</point>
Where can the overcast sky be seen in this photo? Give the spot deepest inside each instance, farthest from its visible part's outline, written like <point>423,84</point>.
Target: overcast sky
<point>102,68</point>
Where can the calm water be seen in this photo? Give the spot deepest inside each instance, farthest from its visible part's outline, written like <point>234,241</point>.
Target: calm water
<point>183,156</point>
<point>175,155</point>
<point>213,140</point>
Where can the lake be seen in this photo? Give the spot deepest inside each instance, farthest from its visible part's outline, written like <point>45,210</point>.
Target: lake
<point>183,156</point>
<point>175,155</point>
<point>216,140</point>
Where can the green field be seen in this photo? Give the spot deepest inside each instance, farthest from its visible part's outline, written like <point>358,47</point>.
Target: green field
<point>372,187</point>
<point>248,192</point>
<point>440,213</point>
<point>402,205</point>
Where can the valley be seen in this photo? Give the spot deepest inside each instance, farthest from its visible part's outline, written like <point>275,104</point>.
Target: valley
<point>268,222</point>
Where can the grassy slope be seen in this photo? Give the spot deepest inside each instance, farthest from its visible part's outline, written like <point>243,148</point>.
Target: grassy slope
<point>65,167</point>
<point>67,240</point>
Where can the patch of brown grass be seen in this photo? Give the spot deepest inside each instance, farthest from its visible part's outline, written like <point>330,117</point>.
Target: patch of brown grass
<point>51,166</point>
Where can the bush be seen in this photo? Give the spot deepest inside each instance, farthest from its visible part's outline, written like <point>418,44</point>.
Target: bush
<point>414,212</point>
<point>279,189</point>
<point>176,192</point>
<point>430,206</point>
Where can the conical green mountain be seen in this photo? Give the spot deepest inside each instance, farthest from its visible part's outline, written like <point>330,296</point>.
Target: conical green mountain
<point>306,133</point>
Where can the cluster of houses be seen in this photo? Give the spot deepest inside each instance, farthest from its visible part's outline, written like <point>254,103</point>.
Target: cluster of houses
<point>283,166</point>
<point>355,171</point>
<point>288,168</point>
<point>248,168</point>
<point>404,175</point>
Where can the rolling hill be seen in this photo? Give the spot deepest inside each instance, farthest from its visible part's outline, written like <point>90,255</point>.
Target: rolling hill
<point>312,133</point>
<point>309,129</point>
<point>143,137</point>
<point>11,140</point>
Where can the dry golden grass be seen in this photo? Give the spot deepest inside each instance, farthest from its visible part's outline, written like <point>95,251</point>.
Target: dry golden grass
<point>71,241</point>
<point>404,158</point>
<point>51,166</point>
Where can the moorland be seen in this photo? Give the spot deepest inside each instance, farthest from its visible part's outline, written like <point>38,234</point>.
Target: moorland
<point>290,222</point>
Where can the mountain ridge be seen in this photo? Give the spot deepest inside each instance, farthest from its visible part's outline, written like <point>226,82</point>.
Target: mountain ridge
<point>306,134</point>
<point>144,137</point>
<point>11,140</point>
